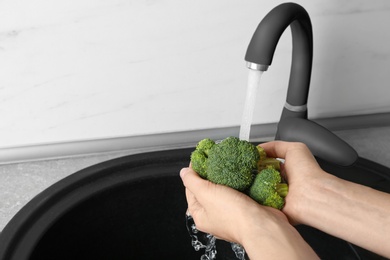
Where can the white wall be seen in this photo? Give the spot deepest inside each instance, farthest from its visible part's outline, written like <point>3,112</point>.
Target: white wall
<point>86,69</point>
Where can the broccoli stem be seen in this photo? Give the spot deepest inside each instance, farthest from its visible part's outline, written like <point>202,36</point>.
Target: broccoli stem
<point>268,162</point>
<point>282,189</point>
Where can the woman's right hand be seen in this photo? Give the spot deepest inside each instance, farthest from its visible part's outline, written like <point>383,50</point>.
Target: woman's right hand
<point>347,210</point>
<point>301,171</point>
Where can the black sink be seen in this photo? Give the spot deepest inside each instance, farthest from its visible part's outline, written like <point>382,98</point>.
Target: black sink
<point>133,208</point>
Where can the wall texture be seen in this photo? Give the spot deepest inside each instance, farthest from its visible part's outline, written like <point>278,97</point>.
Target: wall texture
<point>91,69</point>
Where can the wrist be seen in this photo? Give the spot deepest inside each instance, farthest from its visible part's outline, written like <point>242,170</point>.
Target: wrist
<point>262,233</point>
<point>272,237</point>
<point>308,197</point>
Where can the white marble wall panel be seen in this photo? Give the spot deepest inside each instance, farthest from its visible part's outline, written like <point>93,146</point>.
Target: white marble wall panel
<point>90,69</point>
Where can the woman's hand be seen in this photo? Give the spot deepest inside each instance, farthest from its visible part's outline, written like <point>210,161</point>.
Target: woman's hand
<point>231,215</point>
<point>353,212</point>
<point>220,210</point>
<point>302,173</point>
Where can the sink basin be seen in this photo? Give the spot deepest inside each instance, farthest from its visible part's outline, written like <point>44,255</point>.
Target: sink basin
<point>133,208</point>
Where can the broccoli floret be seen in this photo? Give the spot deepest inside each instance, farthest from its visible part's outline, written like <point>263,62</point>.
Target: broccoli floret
<point>236,163</point>
<point>200,156</point>
<point>268,189</point>
<point>230,162</point>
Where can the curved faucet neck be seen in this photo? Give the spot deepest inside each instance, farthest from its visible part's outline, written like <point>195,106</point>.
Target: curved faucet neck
<point>263,44</point>
<point>293,125</point>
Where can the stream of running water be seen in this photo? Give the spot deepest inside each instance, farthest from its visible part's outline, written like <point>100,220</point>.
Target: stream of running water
<point>254,78</point>
<point>199,239</point>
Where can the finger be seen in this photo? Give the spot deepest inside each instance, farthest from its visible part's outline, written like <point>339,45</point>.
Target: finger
<point>279,149</point>
<point>192,201</point>
<point>193,205</point>
<point>283,172</point>
<point>276,149</point>
<point>193,181</point>
<point>195,208</point>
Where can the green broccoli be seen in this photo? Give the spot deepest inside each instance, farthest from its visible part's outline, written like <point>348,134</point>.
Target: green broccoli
<point>268,189</point>
<point>236,163</point>
<point>231,162</point>
<point>200,155</point>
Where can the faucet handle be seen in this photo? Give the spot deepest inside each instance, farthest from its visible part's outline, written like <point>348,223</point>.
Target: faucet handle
<point>321,142</point>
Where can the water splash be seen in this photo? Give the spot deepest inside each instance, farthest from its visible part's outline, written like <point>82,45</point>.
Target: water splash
<point>201,240</point>
<point>238,250</point>
<point>250,102</point>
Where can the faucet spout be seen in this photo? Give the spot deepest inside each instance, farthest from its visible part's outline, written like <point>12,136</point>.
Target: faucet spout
<point>294,125</point>
<point>261,50</point>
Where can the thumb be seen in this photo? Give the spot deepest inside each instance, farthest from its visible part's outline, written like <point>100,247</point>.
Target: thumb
<point>191,180</point>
